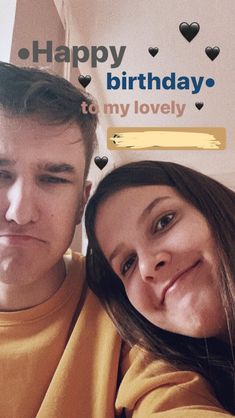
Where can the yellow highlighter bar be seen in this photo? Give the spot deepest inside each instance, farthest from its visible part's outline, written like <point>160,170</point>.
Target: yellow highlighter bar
<point>149,138</point>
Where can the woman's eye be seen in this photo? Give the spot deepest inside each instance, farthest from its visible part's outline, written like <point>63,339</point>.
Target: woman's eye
<point>163,222</point>
<point>127,264</point>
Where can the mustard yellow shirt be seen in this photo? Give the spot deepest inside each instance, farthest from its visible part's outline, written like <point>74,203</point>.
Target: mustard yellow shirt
<point>154,389</point>
<point>61,359</point>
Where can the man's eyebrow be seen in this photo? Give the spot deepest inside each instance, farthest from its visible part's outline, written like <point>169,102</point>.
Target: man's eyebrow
<point>145,212</point>
<point>57,167</point>
<point>4,162</point>
<point>47,166</point>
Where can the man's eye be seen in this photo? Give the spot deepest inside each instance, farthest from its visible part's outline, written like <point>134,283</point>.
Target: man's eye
<point>127,264</point>
<point>4,175</point>
<point>53,180</point>
<point>163,222</point>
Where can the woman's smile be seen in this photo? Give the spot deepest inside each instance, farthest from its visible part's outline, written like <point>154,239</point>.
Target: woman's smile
<point>176,281</point>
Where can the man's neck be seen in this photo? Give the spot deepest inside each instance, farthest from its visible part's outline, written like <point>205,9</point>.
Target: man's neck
<point>15,297</point>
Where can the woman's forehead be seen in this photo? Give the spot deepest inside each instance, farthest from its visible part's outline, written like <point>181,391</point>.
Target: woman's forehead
<point>139,193</point>
<point>132,203</point>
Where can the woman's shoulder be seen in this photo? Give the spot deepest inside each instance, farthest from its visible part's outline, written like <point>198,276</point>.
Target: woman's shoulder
<point>156,388</point>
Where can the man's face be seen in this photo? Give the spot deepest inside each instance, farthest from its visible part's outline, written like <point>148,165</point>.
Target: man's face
<point>42,195</point>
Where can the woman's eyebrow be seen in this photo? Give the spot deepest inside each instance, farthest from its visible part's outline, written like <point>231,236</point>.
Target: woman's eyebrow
<point>150,207</point>
<point>115,252</point>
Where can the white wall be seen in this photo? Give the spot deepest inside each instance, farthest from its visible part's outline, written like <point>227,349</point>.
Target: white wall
<point>139,25</point>
<point>7,18</point>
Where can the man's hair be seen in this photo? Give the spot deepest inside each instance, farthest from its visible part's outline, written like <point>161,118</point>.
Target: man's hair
<point>32,92</point>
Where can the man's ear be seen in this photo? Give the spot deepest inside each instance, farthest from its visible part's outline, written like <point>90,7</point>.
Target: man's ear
<point>85,197</point>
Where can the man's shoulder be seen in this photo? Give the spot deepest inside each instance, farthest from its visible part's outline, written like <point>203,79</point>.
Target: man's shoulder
<point>90,300</point>
<point>90,320</point>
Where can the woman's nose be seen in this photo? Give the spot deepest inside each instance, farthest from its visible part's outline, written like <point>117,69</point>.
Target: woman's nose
<point>153,266</point>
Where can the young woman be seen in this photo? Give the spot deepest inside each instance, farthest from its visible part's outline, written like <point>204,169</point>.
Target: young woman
<point>161,257</point>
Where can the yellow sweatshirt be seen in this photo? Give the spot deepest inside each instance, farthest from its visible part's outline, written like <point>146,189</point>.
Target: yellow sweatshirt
<point>61,359</point>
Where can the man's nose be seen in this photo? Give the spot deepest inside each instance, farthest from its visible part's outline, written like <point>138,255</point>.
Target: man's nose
<point>22,208</point>
<point>153,266</point>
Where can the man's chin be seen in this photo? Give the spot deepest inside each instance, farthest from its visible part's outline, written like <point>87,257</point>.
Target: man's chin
<point>13,269</point>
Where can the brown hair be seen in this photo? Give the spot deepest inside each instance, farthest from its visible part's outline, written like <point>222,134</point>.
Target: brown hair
<point>210,357</point>
<point>31,92</point>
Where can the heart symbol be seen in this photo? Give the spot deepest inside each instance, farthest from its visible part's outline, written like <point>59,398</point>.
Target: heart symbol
<point>189,31</point>
<point>153,51</point>
<point>84,80</point>
<point>199,105</point>
<point>101,162</point>
<point>212,53</point>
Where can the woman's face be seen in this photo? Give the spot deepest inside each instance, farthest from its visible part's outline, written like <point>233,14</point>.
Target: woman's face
<point>163,251</point>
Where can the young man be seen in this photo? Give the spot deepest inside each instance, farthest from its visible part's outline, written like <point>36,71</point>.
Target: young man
<point>60,355</point>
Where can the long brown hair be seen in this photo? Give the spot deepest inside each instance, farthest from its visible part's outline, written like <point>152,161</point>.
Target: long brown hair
<point>210,357</point>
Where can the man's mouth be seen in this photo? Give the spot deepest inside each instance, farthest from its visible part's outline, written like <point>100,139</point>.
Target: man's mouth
<point>14,238</point>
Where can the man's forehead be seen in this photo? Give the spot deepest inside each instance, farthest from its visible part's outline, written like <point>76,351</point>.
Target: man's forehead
<point>35,127</point>
<point>29,141</point>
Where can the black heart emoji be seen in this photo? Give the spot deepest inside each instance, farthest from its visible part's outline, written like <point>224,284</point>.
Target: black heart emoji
<point>101,162</point>
<point>212,53</point>
<point>153,51</point>
<point>84,80</point>
<point>199,105</point>
<point>189,31</point>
